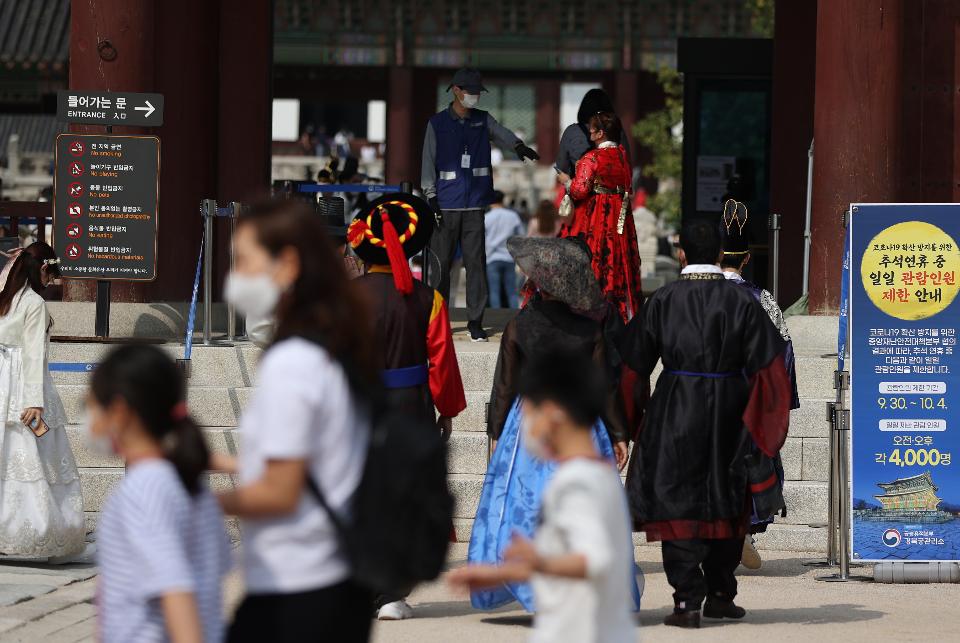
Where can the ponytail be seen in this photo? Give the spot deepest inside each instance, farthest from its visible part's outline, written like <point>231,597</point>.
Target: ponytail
<point>153,386</point>
<point>186,449</point>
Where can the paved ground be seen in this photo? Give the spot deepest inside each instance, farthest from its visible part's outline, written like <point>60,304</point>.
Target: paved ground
<point>54,605</point>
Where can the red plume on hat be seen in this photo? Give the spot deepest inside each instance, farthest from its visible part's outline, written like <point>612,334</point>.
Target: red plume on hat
<point>402,277</point>
<point>389,231</point>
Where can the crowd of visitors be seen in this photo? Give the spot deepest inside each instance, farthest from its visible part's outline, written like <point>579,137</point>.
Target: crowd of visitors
<point>347,347</point>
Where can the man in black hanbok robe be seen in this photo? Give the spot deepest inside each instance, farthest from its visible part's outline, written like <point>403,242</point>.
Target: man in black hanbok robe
<point>723,382</point>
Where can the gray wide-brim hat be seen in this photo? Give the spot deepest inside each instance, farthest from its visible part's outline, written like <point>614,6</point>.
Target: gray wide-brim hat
<point>559,267</point>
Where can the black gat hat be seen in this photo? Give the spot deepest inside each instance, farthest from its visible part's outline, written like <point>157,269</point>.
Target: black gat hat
<point>389,231</point>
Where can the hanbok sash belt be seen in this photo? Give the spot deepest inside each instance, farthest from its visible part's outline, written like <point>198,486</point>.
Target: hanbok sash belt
<point>712,376</point>
<point>599,189</point>
<point>407,377</point>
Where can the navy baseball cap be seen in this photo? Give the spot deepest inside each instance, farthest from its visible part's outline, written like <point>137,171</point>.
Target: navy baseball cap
<point>468,79</point>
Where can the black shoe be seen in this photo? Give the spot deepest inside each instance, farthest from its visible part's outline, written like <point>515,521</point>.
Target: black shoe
<point>689,619</point>
<point>719,608</point>
<point>477,334</point>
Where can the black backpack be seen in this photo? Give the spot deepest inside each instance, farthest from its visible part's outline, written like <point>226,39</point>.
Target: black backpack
<point>402,512</point>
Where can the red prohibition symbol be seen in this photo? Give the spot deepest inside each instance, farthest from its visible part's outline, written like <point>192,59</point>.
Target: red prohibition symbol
<point>76,148</point>
<point>76,189</point>
<point>74,252</point>
<point>76,168</point>
<point>74,210</point>
<point>74,231</point>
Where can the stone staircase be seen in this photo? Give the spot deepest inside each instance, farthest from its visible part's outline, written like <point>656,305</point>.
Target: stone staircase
<point>222,380</point>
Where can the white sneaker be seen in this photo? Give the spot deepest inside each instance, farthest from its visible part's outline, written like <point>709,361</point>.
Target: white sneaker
<point>751,557</point>
<point>395,611</point>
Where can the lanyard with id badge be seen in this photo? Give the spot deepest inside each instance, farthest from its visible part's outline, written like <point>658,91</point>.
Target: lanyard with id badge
<point>465,159</point>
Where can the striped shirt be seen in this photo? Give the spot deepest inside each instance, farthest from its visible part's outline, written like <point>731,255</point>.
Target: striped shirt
<point>154,539</point>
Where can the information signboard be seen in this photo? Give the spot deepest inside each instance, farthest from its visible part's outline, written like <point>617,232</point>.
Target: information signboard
<point>106,193</point>
<point>133,109</point>
<point>905,381</point>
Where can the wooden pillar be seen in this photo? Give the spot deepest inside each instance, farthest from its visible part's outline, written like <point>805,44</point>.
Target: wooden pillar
<point>857,126</point>
<point>244,121</point>
<point>111,49</point>
<point>794,61</point>
<point>212,61</point>
<point>402,164</point>
<point>547,101</point>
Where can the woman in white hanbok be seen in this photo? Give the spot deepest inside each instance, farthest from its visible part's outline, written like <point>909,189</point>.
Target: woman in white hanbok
<point>41,506</point>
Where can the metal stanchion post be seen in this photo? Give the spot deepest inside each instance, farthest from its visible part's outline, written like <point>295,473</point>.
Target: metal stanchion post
<point>833,517</point>
<point>775,259</point>
<point>231,309</point>
<point>209,212</point>
<point>840,436</point>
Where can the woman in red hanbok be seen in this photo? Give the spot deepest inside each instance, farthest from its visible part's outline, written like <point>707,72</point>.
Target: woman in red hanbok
<point>602,217</point>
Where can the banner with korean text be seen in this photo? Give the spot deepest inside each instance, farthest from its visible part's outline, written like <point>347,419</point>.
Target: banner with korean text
<point>905,381</point>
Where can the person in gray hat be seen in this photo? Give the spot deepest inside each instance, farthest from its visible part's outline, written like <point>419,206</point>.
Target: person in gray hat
<point>457,180</point>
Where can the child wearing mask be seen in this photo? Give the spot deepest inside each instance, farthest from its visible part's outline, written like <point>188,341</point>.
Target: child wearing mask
<point>580,561</point>
<point>162,547</point>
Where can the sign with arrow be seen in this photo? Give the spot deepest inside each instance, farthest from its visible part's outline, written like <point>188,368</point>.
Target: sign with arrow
<point>132,109</point>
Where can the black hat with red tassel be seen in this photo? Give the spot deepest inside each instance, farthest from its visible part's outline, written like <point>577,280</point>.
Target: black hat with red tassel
<point>389,231</point>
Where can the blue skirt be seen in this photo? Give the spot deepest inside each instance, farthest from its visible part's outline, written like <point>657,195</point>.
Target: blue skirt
<point>510,504</point>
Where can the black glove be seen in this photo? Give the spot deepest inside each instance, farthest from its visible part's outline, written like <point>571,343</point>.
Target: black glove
<point>525,152</point>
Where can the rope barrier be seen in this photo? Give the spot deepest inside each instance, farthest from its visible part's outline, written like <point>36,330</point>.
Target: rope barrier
<point>71,367</point>
<point>192,314</point>
<point>353,187</point>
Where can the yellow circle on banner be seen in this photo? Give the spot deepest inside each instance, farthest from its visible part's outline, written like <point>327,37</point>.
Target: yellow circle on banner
<point>910,270</point>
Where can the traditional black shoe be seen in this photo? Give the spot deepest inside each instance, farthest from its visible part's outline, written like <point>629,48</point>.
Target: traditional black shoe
<point>688,619</point>
<point>719,608</point>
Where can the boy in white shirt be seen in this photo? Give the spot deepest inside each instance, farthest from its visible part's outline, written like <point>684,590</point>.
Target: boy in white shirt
<point>580,562</point>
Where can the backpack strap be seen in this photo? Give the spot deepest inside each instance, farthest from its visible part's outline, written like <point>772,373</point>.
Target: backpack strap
<point>339,525</point>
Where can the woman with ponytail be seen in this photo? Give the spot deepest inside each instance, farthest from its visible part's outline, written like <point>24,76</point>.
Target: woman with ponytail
<point>41,507</point>
<point>162,547</point>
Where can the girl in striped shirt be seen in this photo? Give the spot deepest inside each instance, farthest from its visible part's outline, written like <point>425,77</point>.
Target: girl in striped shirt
<point>162,546</point>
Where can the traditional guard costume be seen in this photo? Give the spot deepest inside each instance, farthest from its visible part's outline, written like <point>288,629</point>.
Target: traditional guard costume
<point>723,383</point>
<point>419,364</point>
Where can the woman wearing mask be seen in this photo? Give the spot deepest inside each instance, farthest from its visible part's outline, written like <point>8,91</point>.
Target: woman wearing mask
<point>163,550</point>
<point>305,420</point>
<point>600,192</point>
<point>41,507</point>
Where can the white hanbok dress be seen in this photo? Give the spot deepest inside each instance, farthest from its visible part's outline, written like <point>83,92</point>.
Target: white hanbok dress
<point>41,506</point>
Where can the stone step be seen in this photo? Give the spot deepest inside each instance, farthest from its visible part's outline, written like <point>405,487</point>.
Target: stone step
<point>236,366</point>
<point>814,335</point>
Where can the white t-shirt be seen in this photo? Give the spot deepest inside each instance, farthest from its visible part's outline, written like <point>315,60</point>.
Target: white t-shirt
<point>584,511</point>
<point>302,408</point>
<point>155,538</point>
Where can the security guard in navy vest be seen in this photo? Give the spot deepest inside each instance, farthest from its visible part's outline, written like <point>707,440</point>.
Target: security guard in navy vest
<point>457,179</point>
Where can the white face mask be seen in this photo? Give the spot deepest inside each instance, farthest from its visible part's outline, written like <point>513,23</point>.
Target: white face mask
<point>99,444</point>
<point>470,100</point>
<point>537,447</point>
<point>257,295</point>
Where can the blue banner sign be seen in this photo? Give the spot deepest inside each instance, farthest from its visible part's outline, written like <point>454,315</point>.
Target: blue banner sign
<point>905,381</point>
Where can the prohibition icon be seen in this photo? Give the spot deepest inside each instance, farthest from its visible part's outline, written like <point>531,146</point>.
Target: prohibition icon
<point>76,169</point>
<point>76,148</point>
<point>73,252</point>
<point>74,210</point>
<point>76,189</point>
<point>74,231</point>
